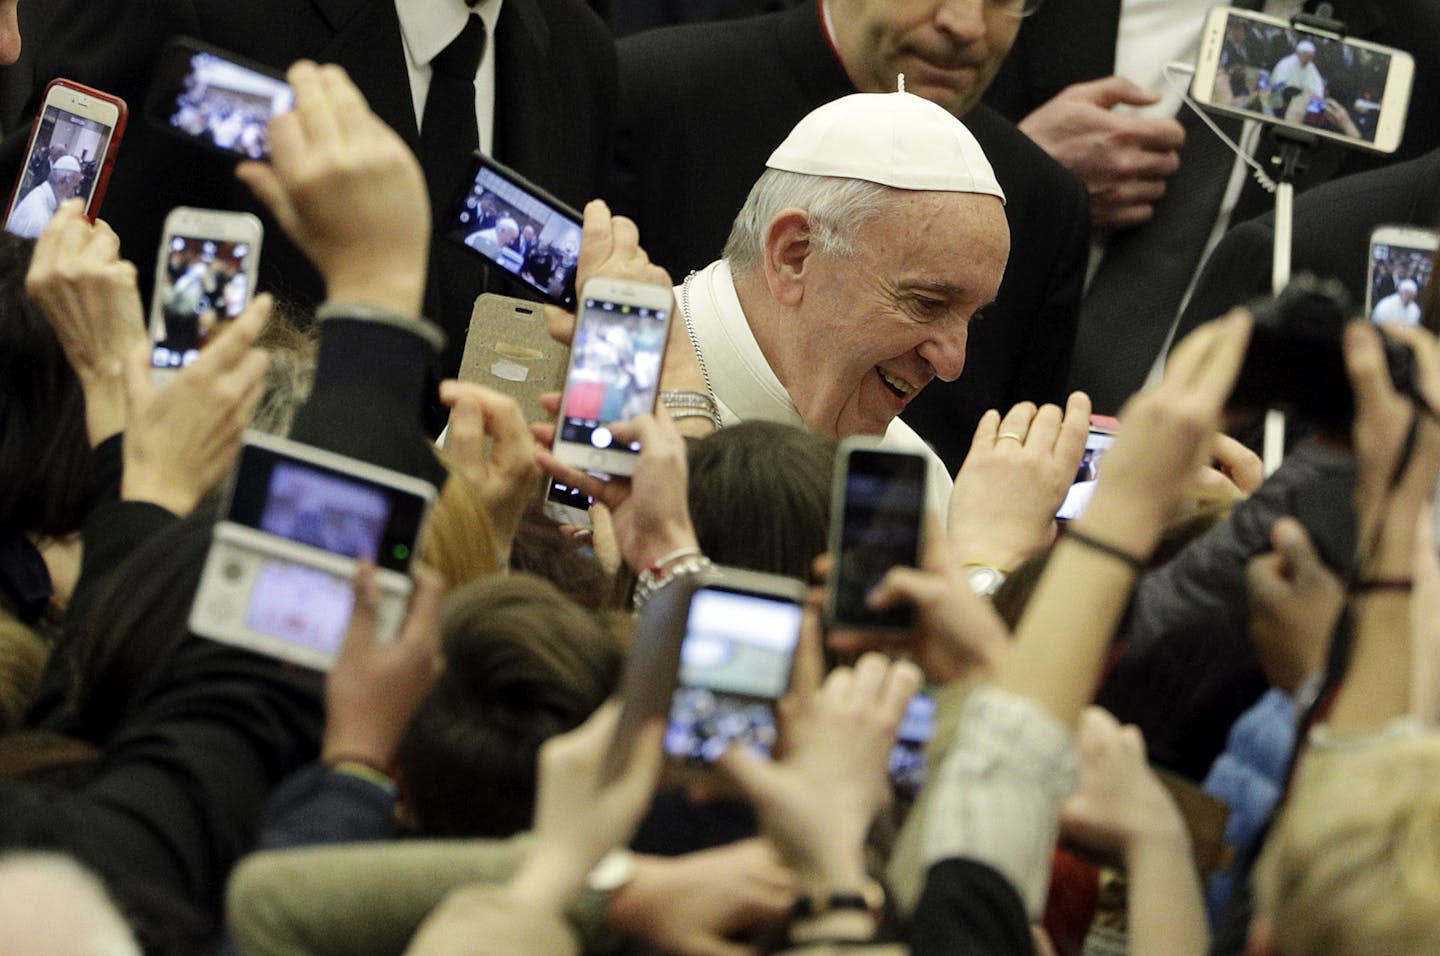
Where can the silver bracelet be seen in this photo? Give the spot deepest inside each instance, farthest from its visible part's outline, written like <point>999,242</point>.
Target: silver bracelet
<point>648,581</point>
<point>690,404</point>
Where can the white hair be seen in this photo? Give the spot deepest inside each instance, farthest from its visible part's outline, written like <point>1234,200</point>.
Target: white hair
<point>837,208</point>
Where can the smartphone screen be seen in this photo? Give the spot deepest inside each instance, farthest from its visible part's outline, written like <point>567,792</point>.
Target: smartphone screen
<point>907,757</point>
<point>1078,497</point>
<point>614,373</point>
<point>67,157</point>
<point>568,505</point>
<point>205,282</point>
<point>734,664</point>
<point>1399,272</point>
<point>1263,68</point>
<point>521,229</point>
<point>325,508</point>
<point>217,101</point>
<point>880,519</point>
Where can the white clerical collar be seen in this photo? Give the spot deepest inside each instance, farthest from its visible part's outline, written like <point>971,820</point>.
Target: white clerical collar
<point>744,382</point>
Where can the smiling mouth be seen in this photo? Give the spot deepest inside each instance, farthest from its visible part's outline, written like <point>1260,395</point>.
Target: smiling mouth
<point>898,387</point>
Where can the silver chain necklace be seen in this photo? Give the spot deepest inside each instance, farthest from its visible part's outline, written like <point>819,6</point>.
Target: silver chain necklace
<point>695,341</point>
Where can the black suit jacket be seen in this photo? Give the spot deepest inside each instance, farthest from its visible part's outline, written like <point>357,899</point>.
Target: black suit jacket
<point>703,106</point>
<point>1331,236</point>
<point>554,106</point>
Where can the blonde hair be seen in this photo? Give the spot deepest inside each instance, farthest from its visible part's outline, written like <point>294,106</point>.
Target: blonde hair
<point>1353,864</point>
<point>459,539</point>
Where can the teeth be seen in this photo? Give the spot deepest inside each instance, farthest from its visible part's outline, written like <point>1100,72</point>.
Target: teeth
<point>899,384</point>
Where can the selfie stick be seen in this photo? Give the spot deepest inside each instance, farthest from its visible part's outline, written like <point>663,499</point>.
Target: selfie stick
<point>1287,163</point>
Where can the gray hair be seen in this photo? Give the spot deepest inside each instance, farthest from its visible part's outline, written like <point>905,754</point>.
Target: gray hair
<point>837,207</point>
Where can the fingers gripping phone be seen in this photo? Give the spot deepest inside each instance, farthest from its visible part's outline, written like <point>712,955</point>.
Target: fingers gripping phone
<point>279,576</point>
<point>1262,68</point>
<point>215,99</point>
<point>205,275</point>
<point>614,373</point>
<point>70,153</point>
<point>1401,260</point>
<point>876,520</point>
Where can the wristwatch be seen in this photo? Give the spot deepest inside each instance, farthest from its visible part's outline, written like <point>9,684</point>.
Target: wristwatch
<point>985,580</point>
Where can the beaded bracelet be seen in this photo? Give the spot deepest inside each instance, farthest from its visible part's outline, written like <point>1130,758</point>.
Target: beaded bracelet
<point>652,579</point>
<point>690,404</point>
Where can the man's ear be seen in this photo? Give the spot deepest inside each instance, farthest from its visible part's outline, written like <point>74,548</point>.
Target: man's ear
<point>787,256</point>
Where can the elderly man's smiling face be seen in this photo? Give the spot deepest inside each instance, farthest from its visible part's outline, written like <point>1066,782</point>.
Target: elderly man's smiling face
<point>874,327</point>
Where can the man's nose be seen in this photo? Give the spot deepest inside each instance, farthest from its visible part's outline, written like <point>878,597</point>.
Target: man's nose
<point>946,351</point>
<point>964,20</point>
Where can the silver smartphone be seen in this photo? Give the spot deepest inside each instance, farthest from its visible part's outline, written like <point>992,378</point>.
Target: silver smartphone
<point>205,274</point>
<point>1401,260</point>
<point>614,373</point>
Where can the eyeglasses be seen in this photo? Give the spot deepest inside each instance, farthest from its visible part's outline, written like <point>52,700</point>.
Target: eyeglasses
<point>1016,8</point>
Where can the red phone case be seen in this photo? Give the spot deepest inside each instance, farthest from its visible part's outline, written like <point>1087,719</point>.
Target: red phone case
<point>102,177</point>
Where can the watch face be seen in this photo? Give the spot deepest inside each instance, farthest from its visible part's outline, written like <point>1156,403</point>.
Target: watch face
<point>986,581</point>
<point>612,872</point>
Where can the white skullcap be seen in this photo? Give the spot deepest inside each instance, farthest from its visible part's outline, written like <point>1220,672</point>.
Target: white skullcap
<point>1305,46</point>
<point>1408,285</point>
<point>67,163</point>
<point>893,139</point>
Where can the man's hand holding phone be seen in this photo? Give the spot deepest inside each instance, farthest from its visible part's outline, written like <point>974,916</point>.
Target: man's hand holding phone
<point>89,295</point>
<point>348,191</point>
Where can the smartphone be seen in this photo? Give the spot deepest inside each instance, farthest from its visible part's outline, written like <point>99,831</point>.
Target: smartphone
<point>1101,437</point>
<point>1401,259</point>
<point>204,276</point>
<point>216,99</point>
<point>517,226</point>
<point>614,373</point>
<point>741,631</point>
<point>70,153</point>
<point>279,576</point>
<point>1260,67</point>
<point>907,757</point>
<point>567,505</point>
<point>509,349</point>
<point>877,518</point>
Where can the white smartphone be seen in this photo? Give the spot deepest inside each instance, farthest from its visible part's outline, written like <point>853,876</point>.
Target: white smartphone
<point>279,576</point>
<point>204,275</point>
<point>877,520</point>
<point>1401,259</point>
<point>1260,67</point>
<point>70,153</point>
<point>614,373</point>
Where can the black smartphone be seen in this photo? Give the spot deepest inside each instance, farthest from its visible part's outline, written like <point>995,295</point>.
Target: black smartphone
<point>217,99</point>
<point>519,227</point>
<point>877,517</point>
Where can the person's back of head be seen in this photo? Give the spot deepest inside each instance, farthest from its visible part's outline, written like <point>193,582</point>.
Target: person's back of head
<point>522,664</point>
<point>1352,866</point>
<point>760,496</point>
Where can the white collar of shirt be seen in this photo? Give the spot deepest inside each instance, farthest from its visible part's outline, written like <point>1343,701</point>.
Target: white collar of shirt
<point>427,27</point>
<point>745,385</point>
